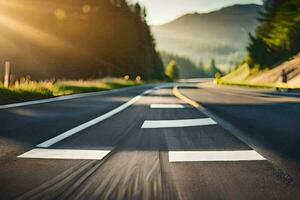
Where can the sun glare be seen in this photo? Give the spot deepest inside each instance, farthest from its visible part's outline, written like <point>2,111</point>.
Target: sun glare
<point>30,33</point>
<point>11,22</point>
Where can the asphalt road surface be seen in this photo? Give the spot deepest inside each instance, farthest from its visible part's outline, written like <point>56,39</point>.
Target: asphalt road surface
<point>196,141</point>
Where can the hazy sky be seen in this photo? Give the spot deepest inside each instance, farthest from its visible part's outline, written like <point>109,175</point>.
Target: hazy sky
<point>161,11</point>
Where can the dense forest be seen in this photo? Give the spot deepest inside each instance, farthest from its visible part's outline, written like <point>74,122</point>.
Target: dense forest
<point>77,39</point>
<point>278,36</point>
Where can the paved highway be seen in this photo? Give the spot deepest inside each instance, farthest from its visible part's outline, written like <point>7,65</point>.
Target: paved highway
<point>196,141</point>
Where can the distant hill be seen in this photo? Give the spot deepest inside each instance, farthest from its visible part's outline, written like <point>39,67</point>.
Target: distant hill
<point>222,34</point>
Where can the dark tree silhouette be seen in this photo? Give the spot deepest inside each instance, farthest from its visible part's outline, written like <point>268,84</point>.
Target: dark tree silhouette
<point>80,39</point>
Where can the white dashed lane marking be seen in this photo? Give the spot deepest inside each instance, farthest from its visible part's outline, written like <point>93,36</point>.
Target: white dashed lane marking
<point>166,106</point>
<point>178,123</point>
<point>213,156</point>
<point>65,154</point>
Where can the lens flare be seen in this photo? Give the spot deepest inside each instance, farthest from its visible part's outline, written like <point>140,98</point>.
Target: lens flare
<point>86,9</point>
<point>60,14</point>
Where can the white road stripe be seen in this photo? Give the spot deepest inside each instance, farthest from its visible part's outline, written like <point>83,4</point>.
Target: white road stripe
<point>88,124</point>
<point>65,154</point>
<point>166,106</point>
<point>213,156</point>
<point>178,123</point>
<point>61,98</point>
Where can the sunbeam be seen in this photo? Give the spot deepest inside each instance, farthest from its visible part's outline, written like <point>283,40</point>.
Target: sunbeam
<point>31,33</point>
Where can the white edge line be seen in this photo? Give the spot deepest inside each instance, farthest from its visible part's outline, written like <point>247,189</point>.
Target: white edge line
<point>92,122</point>
<point>63,98</point>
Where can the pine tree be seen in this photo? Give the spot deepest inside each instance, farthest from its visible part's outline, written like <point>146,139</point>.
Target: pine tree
<point>213,68</point>
<point>277,38</point>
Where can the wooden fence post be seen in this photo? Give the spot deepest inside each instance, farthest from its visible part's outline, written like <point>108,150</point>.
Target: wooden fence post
<point>7,74</point>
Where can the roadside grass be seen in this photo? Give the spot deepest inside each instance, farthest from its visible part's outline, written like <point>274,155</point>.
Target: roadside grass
<point>10,96</point>
<point>32,90</point>
<point>280,86</point>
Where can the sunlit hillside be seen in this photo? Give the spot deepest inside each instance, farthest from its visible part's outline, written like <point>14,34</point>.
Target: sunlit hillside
<point>245,75</point>
<point>221,34</point>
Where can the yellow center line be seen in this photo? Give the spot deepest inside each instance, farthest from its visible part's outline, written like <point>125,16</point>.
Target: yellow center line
<point>184,98</point>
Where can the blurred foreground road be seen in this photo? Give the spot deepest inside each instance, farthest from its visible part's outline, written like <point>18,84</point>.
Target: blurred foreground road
<point>153,143</point>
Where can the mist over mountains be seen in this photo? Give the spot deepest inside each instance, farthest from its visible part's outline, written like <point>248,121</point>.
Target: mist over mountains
<point>222,34</point>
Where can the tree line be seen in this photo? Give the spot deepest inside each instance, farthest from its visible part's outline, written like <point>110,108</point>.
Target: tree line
<point>182,67</point>
<point>278,36</point>
<point>78,39</point>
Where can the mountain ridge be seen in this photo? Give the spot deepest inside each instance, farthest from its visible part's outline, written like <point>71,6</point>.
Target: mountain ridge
<point>229,9</point>
<point>220,34</point>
